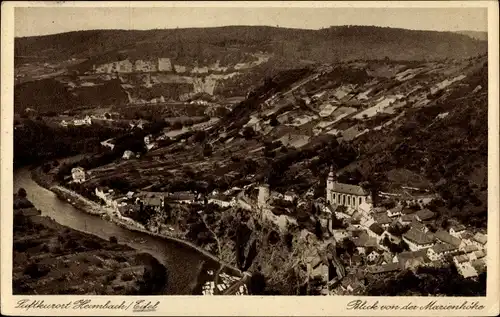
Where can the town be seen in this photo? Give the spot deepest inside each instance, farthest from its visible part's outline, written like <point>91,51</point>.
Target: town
<point>384,239</point>
<point>257,160</point>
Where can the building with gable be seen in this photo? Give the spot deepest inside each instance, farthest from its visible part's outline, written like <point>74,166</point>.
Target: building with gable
<point>351,196</point>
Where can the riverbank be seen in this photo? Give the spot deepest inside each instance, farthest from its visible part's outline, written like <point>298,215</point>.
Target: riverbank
<point>50,259</point>
<point>88,206</point>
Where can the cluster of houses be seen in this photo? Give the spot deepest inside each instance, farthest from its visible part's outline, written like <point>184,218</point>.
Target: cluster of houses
<point>228,285</point>
<point>376,243</point>
<point>77,122</point>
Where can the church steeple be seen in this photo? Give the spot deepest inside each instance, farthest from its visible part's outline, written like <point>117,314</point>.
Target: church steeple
<point>332,176</point>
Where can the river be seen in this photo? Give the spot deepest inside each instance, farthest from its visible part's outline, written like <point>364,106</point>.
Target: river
<point>184,265</point>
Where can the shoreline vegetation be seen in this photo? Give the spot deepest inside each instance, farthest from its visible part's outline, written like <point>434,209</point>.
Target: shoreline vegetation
<point>49,258</point>
<point>84,204</point>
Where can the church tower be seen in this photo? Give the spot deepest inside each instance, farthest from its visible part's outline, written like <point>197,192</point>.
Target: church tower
<point>332,178</point>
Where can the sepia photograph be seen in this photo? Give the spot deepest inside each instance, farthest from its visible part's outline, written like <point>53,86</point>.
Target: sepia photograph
<point>233,150</point>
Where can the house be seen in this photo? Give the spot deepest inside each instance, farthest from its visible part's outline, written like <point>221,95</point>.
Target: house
<point>408,211</point>
<point>464,267</point>
<point>78,174</point>
<point>222,201</point>
<point>350,284</point>
<point>385,268</point>
<point>85,121</point>
<point>376,231</point>
<point>289,196</point>
<point>365,241</point>
<point>417,240</point>
<point>383,219</point>
<point>345,194</point>
<point>412,259</point>
<point>407,219</point>
<point>424,215</point>
<point>127,155</point>
<point>470,248</point>
<point>340,234</point>
<point>419,226</point>
<point>394,212</point>
<point>156,203</point>
<point>457,230</point>
<point>106,195</point>
<point>391,237</point>
<point>480,240</point>
<point>439,250</point>
<point>373,256</point>
<point>479,265</point>
<point>107,143</point>
<point>182,197</point>
<point>448,238</point>
<point>467,239</point>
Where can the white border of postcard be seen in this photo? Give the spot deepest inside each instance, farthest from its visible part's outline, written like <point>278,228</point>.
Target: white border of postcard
<point>253,305</point>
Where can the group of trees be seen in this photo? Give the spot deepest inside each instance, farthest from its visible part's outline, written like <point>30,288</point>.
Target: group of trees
<point>37,141</point>
<point>427,281</point>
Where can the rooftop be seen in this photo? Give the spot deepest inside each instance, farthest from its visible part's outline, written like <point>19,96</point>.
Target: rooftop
<point>470,248</point>
<point>153,201</point>
<point>479,265</point>
<point>365,241</point>
<point>425,214</point>
<point>448,238</point>
<point>408,211</point>
<point>389,267</point>
<point>349,189</point>
<point>408,218</point>
<point>481,238</point>
<point>458,227</point>
<point>461,258</point>
<point>418,237</point>
<point>480,254</point>
<point>443,247</point>
<point>407,255</point>
<point>382,218</point>
<point>376,228</point>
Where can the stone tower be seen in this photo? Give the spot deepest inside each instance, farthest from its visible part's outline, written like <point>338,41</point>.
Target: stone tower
<point>263,196</point>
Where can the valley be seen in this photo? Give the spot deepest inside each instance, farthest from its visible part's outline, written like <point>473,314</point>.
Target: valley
<point>241,146</point>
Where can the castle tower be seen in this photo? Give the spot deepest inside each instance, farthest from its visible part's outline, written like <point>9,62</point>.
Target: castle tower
<point>263,196</point>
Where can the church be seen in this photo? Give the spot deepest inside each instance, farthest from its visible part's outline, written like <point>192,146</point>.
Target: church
<point>351,196</point>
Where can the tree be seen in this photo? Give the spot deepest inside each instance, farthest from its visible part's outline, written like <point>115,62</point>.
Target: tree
<point>22,192</point>
<point>257,283</point>
<point>207,150</point>
<point>248,133</point>
<point>200,136</point>
<point>318,230</point>
<point>177,125</point>
<point>274,121</point>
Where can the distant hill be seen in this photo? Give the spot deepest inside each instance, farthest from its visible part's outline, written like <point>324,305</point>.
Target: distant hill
<point>482,36</point>
<point>199,44</point>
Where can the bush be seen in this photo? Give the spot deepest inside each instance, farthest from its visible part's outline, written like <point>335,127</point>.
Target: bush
<point>22,192</point>
<point>248,133</point>
<point>113,239</point>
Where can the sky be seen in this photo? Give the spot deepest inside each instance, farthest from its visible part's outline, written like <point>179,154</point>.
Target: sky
<point>50,20</point>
